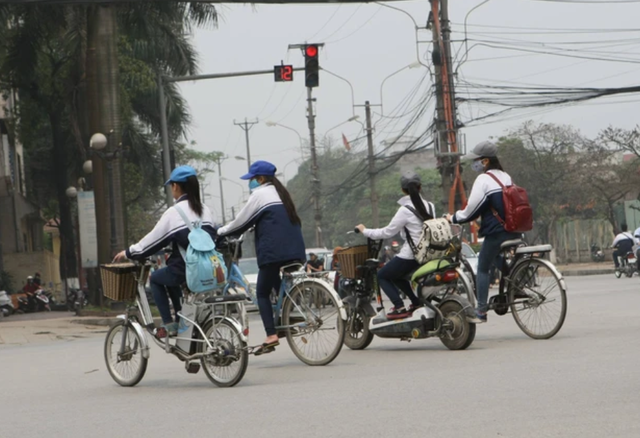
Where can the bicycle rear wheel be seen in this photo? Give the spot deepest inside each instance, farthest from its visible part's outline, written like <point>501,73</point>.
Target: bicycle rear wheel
<point>227,366</point>
<point>315,328</point>
<point>538,299</point>
<point>126,366</point>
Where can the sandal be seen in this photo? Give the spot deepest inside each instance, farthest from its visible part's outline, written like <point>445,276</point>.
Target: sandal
<point>266,348</point>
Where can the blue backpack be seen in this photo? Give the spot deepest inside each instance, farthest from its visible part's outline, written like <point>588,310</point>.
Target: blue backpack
<point>206,270</point>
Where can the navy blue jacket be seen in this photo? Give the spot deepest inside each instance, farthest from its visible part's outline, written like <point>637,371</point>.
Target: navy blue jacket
<point>171,229</point>
<point>485,194</point>
<point>277,239</point>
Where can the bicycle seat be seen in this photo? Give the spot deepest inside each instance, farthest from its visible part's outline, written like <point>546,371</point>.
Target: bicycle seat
<point>372,263</point>
<point>511,244</point>
<point>291,267</point>
<point>533,249</point>
<point>225,299</point>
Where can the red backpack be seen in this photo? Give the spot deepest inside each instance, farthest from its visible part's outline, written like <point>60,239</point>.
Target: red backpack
<point>518,215</point>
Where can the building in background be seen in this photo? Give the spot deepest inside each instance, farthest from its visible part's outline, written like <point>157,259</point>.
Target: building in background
<point>22,251</point>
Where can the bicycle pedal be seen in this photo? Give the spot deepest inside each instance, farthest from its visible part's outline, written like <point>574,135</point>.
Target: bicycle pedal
<point>192,367</point>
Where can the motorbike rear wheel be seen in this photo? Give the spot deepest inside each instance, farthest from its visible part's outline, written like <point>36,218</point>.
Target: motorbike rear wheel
<point>461,333</point>
<point>357,334</point>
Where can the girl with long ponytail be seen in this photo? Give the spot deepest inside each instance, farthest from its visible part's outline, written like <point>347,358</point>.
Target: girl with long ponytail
<point>278,237</point>
<point>172,230</point>
<point>408,220</point>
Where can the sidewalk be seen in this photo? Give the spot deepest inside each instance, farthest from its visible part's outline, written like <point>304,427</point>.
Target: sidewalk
<point>577,269</point>
<point>14,333</point>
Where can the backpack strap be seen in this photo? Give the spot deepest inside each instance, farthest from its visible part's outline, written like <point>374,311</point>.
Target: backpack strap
<point>493,210</point>
<point>184,217</point>
<point>412,245</point>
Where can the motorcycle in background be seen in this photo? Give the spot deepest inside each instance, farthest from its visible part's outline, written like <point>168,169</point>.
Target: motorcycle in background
<point>628,265</point>
<point>597,255</point>
<point>6,306</point>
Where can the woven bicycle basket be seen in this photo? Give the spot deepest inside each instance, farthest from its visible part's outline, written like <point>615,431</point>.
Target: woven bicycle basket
<point>350,259</point>
<point>119,281</point>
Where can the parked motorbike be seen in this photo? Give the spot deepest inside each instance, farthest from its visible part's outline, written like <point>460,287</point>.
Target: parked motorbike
<point>76,299</point>
<point>597,255</point>
<point>442,287</point>
<point>6,306</point>
<point>628,265</point>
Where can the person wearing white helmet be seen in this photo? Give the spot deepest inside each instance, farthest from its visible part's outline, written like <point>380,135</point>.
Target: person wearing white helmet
<point>413,211</point>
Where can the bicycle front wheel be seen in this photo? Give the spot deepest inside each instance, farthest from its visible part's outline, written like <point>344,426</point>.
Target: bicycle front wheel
<point>538,299</point>
<point>315,329</point>
<point>123,354</point>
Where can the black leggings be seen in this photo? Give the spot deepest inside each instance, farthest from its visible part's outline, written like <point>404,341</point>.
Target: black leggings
<point>268,279</point>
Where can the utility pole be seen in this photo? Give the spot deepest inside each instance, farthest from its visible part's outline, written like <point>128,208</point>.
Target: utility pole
<point>446,139</point>
<point>246,126</point>
<point>311,118</point>
<point>372,168</point>
<point>233,213</point>
<point>224,220</point>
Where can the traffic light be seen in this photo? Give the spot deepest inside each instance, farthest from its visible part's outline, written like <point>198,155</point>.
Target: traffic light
<point>311,66</point>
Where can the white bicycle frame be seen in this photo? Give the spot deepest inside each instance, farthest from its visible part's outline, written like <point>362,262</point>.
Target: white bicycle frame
<point>147,319</point>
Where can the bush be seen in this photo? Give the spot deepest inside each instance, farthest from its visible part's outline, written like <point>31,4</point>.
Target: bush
<point>6,282</point>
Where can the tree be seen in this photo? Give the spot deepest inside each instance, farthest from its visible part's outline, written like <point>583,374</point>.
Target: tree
<point>547,160</point>
<point>44,57</point>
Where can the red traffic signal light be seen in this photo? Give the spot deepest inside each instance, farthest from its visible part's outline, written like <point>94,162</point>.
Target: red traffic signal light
<point>311,51</point>
<point>311,66</point>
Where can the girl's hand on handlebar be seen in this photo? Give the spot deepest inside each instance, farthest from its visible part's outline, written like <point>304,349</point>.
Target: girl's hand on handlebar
<point>361,228</point>
<point>449,218</point>
<point>122,255</point>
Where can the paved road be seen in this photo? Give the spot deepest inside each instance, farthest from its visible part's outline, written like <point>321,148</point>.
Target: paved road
<point>582,383</point>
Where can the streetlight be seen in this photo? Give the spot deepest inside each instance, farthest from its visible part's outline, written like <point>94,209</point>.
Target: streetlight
<point>284,170</point>
<point>410,66</point>
<point>350,119</point>
<point>98,144</point>
<point>272,124</point>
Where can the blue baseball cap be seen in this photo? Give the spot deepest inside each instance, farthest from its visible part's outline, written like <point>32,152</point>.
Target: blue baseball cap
<point>260,168</point>
<point>180,174</point>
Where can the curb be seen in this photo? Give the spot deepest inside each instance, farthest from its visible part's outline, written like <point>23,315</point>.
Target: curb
<point>108,321</point>
<point>588,272</point>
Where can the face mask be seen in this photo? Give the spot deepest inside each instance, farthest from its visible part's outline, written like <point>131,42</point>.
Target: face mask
<point>477,166</point>
<point>253,184</point>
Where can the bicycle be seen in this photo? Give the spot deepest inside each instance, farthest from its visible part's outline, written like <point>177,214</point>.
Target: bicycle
<point>308,312</point>
<point>528,285</point>
<point>206,332</point>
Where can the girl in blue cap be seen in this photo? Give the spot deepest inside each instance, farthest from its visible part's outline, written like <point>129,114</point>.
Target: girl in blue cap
<point>278,237</point>
<point>172,229</point>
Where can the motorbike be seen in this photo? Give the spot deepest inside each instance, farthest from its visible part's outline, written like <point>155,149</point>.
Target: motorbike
<point>76,299</point>
<point>597,255</point>
<point>6,306</point>
<point>628,265</point>
<point>443,287</point>
<point>34,302</point>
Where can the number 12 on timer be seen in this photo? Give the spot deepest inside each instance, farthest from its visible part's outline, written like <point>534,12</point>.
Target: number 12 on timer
<point>283,73</point>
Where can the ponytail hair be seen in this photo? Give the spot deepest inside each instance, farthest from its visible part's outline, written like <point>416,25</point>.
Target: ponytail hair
<point>285,197</point>
<point>191,188</point>
<point>413,190</point>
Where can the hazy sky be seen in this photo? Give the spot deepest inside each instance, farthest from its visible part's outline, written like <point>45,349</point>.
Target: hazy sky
<point>366,43</point>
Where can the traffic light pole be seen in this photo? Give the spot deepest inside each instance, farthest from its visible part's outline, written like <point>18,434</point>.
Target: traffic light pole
<point>164,131</point>
<point>311,118</point>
